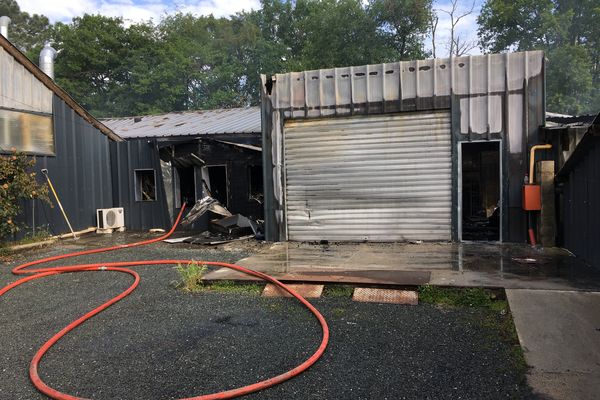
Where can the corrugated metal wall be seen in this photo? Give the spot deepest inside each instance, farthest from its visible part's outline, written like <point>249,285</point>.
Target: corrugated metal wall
<point>126,157</point>
<point>377,178</point>
<point>581,206</point>
<point>497,96</point>
<point>19,89</point>
<point>80,172</point>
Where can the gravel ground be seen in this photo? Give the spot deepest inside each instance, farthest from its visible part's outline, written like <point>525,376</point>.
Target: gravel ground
<point>160,343</point>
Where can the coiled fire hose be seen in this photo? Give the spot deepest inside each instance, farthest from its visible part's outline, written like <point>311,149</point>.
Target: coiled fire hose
<point>121,267</point>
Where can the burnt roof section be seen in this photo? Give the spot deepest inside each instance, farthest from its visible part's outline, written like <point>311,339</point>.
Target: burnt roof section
<point>188,123</point>
<point>60,92</point>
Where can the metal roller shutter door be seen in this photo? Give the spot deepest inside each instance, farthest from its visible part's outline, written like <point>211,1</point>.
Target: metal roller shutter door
<point>378,178</point>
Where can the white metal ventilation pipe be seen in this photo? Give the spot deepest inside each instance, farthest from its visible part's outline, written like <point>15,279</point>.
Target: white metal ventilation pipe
<point>4,22</point>
<point>47,56</point>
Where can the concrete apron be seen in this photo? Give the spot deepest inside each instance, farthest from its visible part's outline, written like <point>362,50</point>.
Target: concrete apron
<point>491,265</point>
<point>559,332</point>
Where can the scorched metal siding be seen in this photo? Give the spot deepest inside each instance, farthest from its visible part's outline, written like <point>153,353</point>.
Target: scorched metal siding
<point>491,97</point>
<point>377,178</point>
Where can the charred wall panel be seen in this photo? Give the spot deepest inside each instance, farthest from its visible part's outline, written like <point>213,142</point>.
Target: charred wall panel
<point>127,157</point>
<point>581,205</point>
<point>80,172</point>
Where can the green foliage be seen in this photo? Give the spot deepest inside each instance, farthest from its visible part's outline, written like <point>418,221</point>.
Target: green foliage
<point>190,62</point>
<point>402,25</point>
<point>472,297</point>
<point>191,276</point>
<point>567,30</point>
<point>338,291</point>
<point>17,183</point>
<point>26,31</point>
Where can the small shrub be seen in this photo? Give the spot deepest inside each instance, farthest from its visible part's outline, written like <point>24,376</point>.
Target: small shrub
<point>338,291</point>
<point>17,183</point>
<point>191,276</point>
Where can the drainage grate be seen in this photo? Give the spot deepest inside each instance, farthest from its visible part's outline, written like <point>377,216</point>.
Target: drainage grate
<point>304,290</point>
<point>369,295</point>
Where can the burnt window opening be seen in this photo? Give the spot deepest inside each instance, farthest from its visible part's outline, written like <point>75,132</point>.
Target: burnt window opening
<point>255,183</point>
<point>187,186</point>
<point>217,183</point>
<point>481,191</point>
<point>145,185</point>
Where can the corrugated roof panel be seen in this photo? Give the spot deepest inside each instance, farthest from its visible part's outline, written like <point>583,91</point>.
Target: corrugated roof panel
<point>188,123</point>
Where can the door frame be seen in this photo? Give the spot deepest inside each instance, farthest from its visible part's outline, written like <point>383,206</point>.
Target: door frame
<point>460,189</point>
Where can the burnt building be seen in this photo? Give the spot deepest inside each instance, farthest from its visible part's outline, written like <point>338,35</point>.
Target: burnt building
<point>175,158</point>
<point>432,149</point>
<point>39,118</point>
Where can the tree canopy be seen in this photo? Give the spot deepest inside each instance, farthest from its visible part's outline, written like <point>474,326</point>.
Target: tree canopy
<point>187,62</point>
<point>567,30</point>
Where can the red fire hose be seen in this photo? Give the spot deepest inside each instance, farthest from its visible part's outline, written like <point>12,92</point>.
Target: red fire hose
<point>119,267</point>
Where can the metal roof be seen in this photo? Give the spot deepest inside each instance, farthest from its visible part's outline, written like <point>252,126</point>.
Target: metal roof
<point>188,123</point>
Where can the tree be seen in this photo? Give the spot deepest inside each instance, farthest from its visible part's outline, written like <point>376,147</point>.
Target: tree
<point>403,24</point>
<point>567,30</point>
<point>25,31</point>
<point>458,46</point>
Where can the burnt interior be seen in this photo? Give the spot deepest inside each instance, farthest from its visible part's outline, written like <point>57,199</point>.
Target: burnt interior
<point>481,191</point>
<point>218,183</point>
<point>187,186</point>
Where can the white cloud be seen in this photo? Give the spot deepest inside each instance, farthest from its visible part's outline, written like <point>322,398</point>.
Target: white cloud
<point>134,10</point>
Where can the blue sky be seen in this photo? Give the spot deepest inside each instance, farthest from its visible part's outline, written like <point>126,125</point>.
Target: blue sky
<point>141,10</point>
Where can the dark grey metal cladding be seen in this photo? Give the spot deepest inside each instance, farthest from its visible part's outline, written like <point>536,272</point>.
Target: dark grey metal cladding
<point>126,157</point>
<point>80,173</point>
<point>581,205</point>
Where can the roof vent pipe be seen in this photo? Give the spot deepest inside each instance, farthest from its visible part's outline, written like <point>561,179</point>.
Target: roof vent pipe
<point>47,56</point>
<point>4,22</point>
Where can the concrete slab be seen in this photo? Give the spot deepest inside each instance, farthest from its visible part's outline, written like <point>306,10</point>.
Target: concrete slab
<point>560,335</point>
<point>504,265</point>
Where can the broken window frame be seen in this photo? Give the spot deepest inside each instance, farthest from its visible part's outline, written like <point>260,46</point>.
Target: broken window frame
<point>23,135</point>
<point>250,174</point>
<point>137,176</point>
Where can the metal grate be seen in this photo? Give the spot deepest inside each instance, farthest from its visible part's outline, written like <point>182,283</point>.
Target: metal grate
<point>304,290</point>
<point>370,295</point>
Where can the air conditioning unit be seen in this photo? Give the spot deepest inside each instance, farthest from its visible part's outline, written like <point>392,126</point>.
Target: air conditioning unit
<point>110,218</point>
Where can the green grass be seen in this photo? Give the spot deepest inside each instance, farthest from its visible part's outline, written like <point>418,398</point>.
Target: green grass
<point>191,276</point>
<point>234,287</point>
<point>338,291</point>
<point>455,297</point>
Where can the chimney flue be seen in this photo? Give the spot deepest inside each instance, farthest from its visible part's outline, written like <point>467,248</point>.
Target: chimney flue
<point>4,22</point>
<point>47,56</point>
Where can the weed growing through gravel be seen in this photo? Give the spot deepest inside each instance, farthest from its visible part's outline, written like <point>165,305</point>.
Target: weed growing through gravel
<point>191,276</point>
<point>338,291</point>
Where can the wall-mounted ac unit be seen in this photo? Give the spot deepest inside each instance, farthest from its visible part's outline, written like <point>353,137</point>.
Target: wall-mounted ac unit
<point>110,218</point>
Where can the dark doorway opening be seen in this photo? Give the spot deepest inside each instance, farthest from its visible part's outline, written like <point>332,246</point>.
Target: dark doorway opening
<point>187,186</point>
<point>481,191</point>
<point>217,176</point>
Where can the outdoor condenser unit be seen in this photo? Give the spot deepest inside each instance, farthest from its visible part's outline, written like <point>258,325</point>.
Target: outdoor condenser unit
<point>110,218</point>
